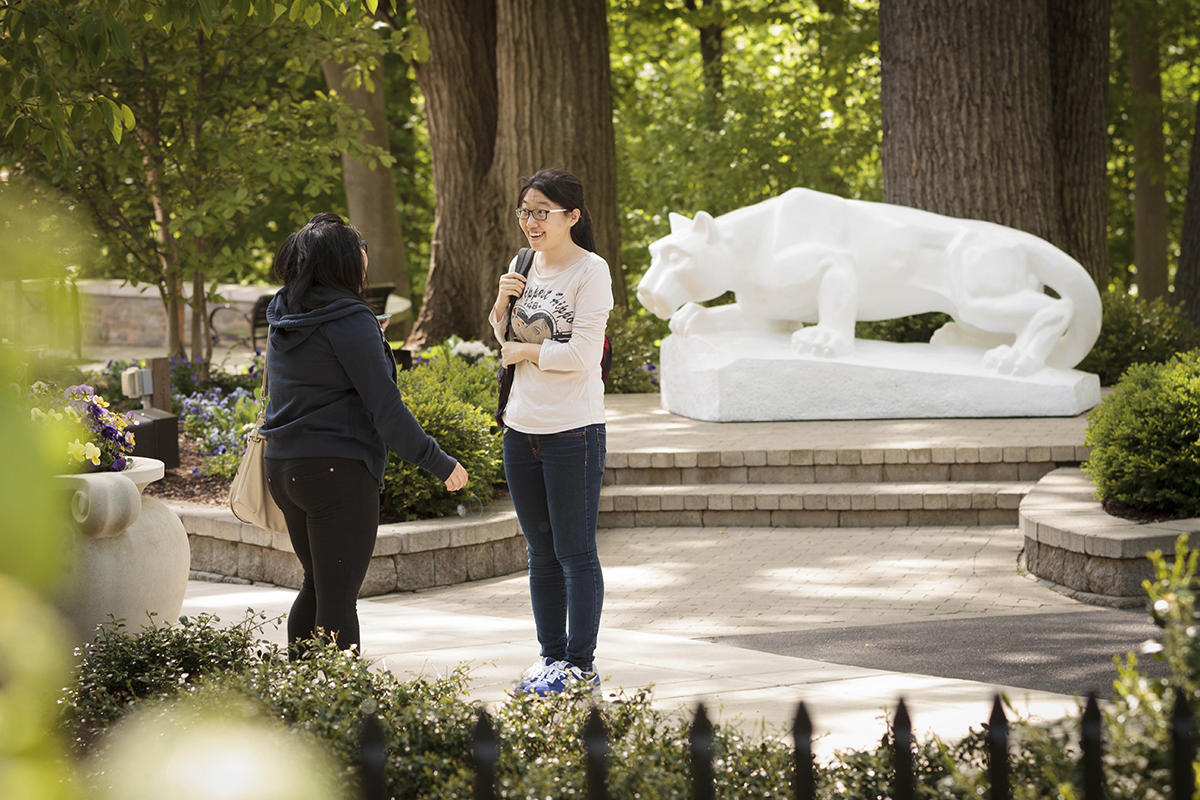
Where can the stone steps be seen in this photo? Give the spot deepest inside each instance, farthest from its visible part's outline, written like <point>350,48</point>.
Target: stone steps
<point>813,504</point>
<point>850,486</point>
<point>851,465</point>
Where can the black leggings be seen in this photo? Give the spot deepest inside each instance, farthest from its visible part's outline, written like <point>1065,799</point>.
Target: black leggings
<point>332,511</point>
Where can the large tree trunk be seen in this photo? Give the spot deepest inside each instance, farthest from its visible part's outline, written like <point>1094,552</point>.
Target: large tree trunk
<point>556,108</point>
<point>507,92</point>
<point>1149,168</point>
<point>967,116</point>
<point>1187,273</point>
<point>371,191</point>
<point>712,46</point>
<point>1079,62</point>
<point>472,241</point>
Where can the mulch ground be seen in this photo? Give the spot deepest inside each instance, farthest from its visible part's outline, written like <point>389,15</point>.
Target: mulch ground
<point>180,483</point>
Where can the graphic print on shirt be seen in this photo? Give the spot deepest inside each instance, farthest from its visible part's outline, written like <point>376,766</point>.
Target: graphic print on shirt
<point>542,314</point>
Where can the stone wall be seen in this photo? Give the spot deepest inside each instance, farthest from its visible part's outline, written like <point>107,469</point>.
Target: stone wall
<point>116,313</point>
<point>1086,553</point>
<point>408,555</point>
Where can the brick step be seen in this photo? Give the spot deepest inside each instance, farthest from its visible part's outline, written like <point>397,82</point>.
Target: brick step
<point>831,504</point>
<point>830,467</point>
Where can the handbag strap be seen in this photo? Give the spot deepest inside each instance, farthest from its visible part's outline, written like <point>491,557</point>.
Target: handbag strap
<point>524,263</point>
<point>262,407</point>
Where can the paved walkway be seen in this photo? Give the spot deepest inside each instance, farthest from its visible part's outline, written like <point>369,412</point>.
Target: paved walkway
<point>672,593</point>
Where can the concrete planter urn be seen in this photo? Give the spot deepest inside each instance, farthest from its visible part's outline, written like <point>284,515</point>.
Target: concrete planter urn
<point>130,554</point>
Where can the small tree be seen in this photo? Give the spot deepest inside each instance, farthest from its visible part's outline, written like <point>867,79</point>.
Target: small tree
<point>193,135</point>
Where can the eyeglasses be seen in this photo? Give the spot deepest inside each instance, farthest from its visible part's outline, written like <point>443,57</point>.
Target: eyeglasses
<point>363,245</point>
<point>540,214</point>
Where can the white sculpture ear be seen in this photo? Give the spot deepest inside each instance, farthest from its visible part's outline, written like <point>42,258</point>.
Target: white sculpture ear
<point>706,226</point>
<point>679,223</point>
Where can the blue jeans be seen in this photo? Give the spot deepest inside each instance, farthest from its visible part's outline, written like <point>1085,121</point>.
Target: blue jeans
<point>554,480</point>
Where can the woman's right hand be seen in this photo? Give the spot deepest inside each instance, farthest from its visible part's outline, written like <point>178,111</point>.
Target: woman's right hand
<point>457,479</point>
<point>511,285</point>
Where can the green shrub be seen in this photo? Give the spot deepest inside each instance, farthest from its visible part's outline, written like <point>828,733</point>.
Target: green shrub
<point>635,337</point>
<point>466,370</point>
<point>1145,440</point>
<point>1137,331</point>
<point>464,431</point>
<point>118,669</point>
<point>915,328</point>
<point>428,724</point>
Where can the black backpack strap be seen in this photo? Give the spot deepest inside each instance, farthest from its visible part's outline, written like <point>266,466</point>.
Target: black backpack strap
<point>524,263</point>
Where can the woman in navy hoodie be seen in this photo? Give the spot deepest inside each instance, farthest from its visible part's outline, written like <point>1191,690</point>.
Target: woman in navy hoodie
<point>334,411</point>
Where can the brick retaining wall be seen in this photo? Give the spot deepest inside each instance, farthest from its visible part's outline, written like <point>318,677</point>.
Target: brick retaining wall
<point>408,555</point>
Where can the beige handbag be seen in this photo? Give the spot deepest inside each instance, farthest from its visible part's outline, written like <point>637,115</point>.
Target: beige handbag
<point>250,497</point>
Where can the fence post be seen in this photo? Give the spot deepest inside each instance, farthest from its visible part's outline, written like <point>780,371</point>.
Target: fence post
<point>485,750</point>
<point>373,752</point>
<point>595,745</point>
<point>701,740</point>
<point>1183,748</point>
<point>804,782</point>
<point>998,752</point>
<point>1093,771</point>
<point>902,746</point>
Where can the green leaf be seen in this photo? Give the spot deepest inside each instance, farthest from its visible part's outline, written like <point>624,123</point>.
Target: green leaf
<point>49,146</point>
<point>127,117</point>
<point>17,131</point>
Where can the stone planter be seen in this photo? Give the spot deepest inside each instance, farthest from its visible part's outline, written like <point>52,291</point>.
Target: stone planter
<point>1078,549</point>
<point>130,555</point>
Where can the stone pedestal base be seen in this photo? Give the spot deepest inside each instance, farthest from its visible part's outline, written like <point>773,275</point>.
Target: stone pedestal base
<point>752,376</point>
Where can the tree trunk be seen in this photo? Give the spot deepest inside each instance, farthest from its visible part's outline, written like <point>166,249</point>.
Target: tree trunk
<point>967,116</point>
<point>712,49</point>
<point>507,92</point>
<point>170,277</point>
<point>1149,168</point>
<point>201,340</point>
<point>555,102</point>
<point>1187,273</point>
<point>472,242</point>
<point>1079,61</point>
<point>371,191</point>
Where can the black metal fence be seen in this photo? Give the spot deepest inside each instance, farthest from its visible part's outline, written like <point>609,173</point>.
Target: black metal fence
<point>485,752</point>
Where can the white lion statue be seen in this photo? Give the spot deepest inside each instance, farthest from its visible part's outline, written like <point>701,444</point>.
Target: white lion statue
<point>807,257</point>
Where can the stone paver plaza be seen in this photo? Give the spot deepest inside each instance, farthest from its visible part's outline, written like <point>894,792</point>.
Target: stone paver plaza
<point>670,589</point>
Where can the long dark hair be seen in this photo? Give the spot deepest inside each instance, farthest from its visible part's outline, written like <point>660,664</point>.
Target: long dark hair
<point>325,252</point>
<point>565,189</point>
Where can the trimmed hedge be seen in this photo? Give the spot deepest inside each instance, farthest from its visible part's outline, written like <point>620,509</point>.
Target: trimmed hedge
<point>1145,440</point>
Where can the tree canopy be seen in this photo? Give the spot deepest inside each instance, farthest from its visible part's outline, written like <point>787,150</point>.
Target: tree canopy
<point>134,109</point>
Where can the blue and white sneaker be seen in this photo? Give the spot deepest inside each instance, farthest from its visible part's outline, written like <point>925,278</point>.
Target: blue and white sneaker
<point>535,671</point>
<point>561,674</point>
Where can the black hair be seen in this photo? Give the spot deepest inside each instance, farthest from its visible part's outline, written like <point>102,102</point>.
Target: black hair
<point>565,189</point>
<point>325,252</point>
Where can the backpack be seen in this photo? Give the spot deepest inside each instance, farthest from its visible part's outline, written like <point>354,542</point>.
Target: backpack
<point>505,376</point>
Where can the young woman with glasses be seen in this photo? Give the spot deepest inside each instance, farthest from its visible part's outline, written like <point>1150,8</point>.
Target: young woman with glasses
<point>554,422</point>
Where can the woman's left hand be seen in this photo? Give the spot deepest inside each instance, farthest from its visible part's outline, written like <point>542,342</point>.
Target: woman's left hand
<point>516,352</point>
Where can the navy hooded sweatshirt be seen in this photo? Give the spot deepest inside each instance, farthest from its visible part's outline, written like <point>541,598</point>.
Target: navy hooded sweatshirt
<point>332,383</point>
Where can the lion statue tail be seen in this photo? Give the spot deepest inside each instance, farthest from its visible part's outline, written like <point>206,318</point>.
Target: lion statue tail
<point>1071,281</point>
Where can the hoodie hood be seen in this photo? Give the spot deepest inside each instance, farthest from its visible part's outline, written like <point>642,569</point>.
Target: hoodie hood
<point>290,328</point>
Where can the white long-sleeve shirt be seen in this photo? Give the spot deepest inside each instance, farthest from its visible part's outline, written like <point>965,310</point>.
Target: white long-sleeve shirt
<point>566,314</point>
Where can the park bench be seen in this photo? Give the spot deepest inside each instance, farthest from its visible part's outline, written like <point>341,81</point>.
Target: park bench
<point>376,296</point>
